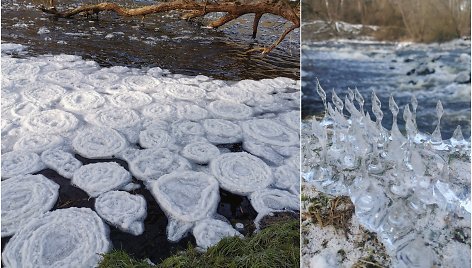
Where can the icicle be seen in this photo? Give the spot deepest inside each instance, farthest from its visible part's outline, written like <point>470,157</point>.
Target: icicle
<point>322,94</point>
<point>410,127</point>
<point>396,134</point>
<point>436,137</point>
<point>359,99</point>
<point>337,102</point>
<point>350,94</point>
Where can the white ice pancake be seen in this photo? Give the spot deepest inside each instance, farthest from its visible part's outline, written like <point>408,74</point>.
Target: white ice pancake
<point>220,131</point>
<point>190,111</point>
<point>186,195</point>
<point>116,118</point>
<point>209,232</point>
<point>20,163</point>
<point>200,152</point>
<point>82,101</point>
<point>123,210</point>
<point>99,143</point>
<point>143,83</point>
<point>154,137</point>
<point>72,237</point>
<point>241,173</point>
<point>233,94</point>
<point>130,99</point>
<point>64,163</point>
<point>187,131</point>
<point>64,77</point>
<point>51,122</point>
<point>99,178</point>
<point>230,110</point>
<point>291,119</point>
<point>160,111</point>
<point>286,177</point>
<point>24,198</point>
<point>150,164</point>
<point>266,201</point>
<point>185,92</point>
<point>270,132</point>
<point>44,94</point>
<point>38,143</point>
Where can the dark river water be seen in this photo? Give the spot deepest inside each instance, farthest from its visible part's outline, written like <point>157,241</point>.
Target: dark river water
<point>389,68</point>
<point>161,40</point>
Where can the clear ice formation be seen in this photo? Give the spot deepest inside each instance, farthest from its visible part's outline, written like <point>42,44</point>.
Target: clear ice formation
<point>72,237</point>
<point>403,186</point>
<point>99,178</point>
<point>123,210</point>
<point>24,198</point>
<point>209,232</point>
<point>60,106</point>
<point>266,201</point>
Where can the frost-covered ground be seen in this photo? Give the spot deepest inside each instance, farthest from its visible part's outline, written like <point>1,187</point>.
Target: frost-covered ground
<point>111,131</point>
<point>430,72</point>
<point>412,190</point>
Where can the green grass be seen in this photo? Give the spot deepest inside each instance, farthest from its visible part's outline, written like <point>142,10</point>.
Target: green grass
<point>275,246</point>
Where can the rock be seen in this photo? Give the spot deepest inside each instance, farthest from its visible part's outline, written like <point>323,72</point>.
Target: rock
<point>410,72</point>
<point>424,70</point>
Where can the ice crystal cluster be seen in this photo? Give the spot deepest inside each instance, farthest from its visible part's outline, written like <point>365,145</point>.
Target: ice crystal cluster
<point>184,137</point>
<point>405,187</point>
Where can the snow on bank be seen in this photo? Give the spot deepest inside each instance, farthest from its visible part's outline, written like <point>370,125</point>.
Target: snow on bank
<point>173,131</point>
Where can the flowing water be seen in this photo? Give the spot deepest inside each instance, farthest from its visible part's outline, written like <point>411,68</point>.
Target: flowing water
<point>426,71</point>
<point>161,40</point>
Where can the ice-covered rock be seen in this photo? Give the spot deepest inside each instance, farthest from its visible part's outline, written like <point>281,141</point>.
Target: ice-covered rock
<point>24,198</point>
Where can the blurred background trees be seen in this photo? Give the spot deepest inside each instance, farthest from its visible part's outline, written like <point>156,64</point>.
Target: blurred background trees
<point>417,20</point>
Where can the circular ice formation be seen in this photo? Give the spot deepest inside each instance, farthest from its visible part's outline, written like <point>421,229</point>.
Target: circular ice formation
<point>130,99</point>
<point>38,143</point>
<point>23,109</point>
<point>64,163</point>
<point>286,177</point>
<point>44,94</point>
<point>266,201</point>
<point>116,118</point>
<point>51,122</point>
<point>159,111</point>
<point>230,110</point>
<point>82,100</point>
<point>270,132</point>
<point>150,164</point>
<point>20,70</point>
<point>123,210</point>
<point>142,83</point>
<point>8,99</point>
<point>222,131</point>
<point>185,92</point>
<point>209,232</point>
<point>99,143</point>
<point>99,178</point>
<point>191,111</point>
<point>19,163</point>
<point>64,77</point>
<point>102,78</point>
<point>24,198</point>
<point>234,94</point>
<point>187,195</point>
<point>200,152</point>
<point>291,119</point>
<point>241,173</point>
<point>72,237</point>
<point>155,138</point>
<point>187,131</point>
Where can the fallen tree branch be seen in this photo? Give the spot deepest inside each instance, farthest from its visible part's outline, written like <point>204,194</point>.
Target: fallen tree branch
<point>233,9</point>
